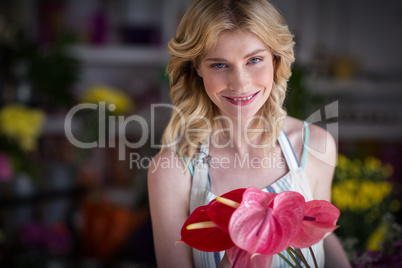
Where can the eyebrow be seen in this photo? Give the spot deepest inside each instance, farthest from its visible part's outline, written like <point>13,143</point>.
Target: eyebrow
<point>246,56</point>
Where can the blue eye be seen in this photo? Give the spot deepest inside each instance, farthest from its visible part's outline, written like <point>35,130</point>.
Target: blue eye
<point>218,65</point>
<point>255,60</point>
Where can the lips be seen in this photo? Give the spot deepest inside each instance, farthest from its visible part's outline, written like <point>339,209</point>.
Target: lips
<point>241,100</point>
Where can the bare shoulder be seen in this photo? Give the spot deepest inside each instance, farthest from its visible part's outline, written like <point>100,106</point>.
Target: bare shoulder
<point>294,130</point>
<point>169,184</point>
<point>321,143</point>
<point>321,154</point>
<point>168,173</point>
<point>166,161</point>
<point>321,147</point>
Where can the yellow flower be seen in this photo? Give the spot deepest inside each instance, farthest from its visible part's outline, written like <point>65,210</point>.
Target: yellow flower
<point>359,195</point>
<point>22,124</point>
<point>372,163</point>
<point>342,160</point>
<point>377,237</point>
<point>109,95</point>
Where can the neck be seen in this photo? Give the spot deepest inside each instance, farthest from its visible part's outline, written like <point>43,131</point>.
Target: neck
<point>241,135</point>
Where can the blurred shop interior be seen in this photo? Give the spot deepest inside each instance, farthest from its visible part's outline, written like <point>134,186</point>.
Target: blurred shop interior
<point>79,81</point>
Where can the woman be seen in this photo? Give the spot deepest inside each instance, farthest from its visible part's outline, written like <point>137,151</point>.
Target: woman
<point>229,69</point>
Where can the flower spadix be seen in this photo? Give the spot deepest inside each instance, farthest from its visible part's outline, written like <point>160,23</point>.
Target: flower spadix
<point>201,225</point>
<point>206,228</point>
<point>253,225</point>
<point>221,209</point>
<point>201,233</point>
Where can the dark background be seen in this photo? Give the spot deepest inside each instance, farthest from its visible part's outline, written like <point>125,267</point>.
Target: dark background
<point>86,208</point>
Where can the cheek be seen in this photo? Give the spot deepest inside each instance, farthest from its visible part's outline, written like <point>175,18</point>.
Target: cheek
<point>264,77</point>
<point>212,84</point>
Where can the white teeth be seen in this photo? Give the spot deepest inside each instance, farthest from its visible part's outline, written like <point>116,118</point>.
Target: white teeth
<point>242,99</point>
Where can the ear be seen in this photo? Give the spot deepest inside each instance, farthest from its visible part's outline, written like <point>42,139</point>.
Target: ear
<point>196,67</point>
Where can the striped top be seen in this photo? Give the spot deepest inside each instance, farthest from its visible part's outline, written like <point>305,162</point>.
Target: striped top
<point>294,180</point>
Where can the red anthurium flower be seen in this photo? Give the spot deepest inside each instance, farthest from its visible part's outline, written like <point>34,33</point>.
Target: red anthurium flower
<point>201,233</point>
<point>220,213</point>
<point>320,219</point>
<point>252,225</point>
<point>266,223</point>
<point>207,227</point>
<point>240,258</point>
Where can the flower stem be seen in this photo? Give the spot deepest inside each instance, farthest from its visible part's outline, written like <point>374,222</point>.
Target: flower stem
<point>300,253</point>
<point>237,258</point>
<point>296,253</point>
<point>312,254</point>
<point>293,257</point>
<point>286,260</point>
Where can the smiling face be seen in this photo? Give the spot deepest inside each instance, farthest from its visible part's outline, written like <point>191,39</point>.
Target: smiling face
<point>238,74</point>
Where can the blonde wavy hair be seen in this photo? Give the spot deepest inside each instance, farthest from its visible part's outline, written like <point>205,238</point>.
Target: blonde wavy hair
<point>197,35</point>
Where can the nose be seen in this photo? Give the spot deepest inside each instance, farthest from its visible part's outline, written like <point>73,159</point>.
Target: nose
<point>238,80</point>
